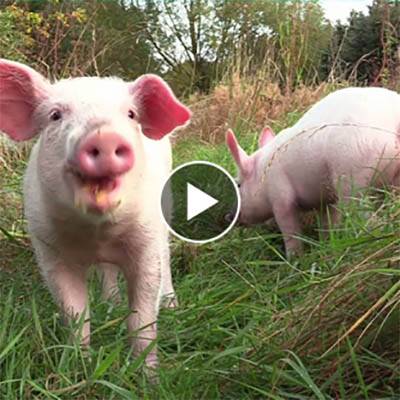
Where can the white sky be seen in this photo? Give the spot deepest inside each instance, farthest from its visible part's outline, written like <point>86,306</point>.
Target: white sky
<point>340,9</point>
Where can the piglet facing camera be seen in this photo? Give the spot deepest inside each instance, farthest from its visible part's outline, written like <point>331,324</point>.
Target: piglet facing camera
<point>348,141</point>
<point>93,185</point>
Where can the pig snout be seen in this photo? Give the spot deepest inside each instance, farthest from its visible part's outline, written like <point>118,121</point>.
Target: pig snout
<point>228,217</point>
<point>104,154</point>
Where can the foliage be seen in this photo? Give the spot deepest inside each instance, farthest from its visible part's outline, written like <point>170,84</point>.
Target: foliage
<point>78,37</point>
<point>15,33</point>
<point>200,40</point>
<point>196,44</point>
<point>368,46</point>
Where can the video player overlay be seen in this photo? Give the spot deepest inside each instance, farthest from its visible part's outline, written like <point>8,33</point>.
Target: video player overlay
<point>203,195</point>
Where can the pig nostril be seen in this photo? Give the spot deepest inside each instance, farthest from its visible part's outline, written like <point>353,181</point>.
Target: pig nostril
<point>228,217</point>
<point>122,151</point>
<point>94,152</point>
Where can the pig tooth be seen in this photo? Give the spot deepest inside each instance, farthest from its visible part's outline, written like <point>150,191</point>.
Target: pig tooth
<point>79,203</point>
<point>77,200</point>
<point>100,196</point>
<point>83,208</point>
<point>80,206</point>
<point>116,205</point>
<point>87,187</point>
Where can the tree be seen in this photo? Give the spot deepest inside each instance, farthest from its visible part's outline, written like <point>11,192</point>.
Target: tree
<point>198,41</point>
<point>367,45</point>
<point>77,37</point>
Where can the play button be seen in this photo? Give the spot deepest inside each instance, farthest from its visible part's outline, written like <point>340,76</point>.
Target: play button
<point>196,199</point>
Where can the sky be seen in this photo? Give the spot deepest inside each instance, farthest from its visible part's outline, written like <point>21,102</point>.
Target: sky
<point>340,9</point>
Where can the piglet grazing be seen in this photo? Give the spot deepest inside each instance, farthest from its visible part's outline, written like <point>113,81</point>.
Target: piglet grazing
<point>349,140</point>
<point>93,184</point>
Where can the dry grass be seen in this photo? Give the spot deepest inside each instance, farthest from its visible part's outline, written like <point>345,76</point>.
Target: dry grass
<point>248,103</point>
<point>12,230</point>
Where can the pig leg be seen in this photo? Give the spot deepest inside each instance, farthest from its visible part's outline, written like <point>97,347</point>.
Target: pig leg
<point>108,274</point>
<point>169,299</point>
<point>68,285</point>
<point>144,292</point>
<point>287,218</point>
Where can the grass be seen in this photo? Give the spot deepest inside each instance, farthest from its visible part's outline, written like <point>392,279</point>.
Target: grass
<point>250,324</point>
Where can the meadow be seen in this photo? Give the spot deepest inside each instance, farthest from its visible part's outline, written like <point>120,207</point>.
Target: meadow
<point>250,324</point>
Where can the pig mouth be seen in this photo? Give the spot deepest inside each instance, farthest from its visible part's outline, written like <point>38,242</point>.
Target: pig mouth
<point>104,183</point>
<point>98,195</point>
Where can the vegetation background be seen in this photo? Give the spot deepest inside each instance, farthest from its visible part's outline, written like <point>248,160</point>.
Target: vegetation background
<point>250,324</point>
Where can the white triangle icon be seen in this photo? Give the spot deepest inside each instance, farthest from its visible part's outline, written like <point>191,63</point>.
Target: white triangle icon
<point>197,201</point>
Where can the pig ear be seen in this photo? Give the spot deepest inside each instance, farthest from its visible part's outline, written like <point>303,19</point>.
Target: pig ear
<point>241,158</point>
<point>21,90</point>
<point>159,111</point>
<point>266,136</point>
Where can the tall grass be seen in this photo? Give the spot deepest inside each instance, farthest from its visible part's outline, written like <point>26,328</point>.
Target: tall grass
<point>250,324</point>
<point>248,98</point>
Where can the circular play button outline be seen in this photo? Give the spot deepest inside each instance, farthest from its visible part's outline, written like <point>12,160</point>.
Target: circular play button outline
<point>236,189</point>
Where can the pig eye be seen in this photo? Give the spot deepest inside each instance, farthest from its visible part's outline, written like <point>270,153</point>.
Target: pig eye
<point>55,115</point>
<point>131,114</point>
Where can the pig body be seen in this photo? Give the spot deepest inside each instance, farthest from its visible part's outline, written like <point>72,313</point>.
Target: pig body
<point>93,185</point>
<point>347,141</point>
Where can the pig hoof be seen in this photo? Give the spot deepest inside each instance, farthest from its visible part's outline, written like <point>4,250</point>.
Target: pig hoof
<point>170,301</point>
<point>86,354</point>
<point>150,368</point>
<point>292,255</point>
<point>151,374</point>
